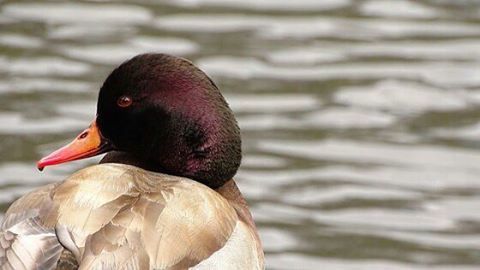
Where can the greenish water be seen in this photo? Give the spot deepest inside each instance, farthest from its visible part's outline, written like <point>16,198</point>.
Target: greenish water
<point>360,119</point>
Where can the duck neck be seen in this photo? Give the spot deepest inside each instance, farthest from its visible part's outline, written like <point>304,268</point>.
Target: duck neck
<point>154,166</point>
<point>128,159</point>
<point>232,194</point>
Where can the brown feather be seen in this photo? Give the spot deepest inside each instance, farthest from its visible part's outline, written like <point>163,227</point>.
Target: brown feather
<point>67,261</point>
<point>122,217</point>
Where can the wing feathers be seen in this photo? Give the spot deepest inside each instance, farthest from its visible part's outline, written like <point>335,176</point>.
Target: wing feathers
<point>26,241</point>
<point>113,216</point>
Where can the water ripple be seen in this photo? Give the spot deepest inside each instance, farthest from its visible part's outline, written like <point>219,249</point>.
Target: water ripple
<point>305,27</point>
<point>392,8</point>
<point>43,66</point>
<point>117,53</point>
<point>267,5</point>
<point>77,13</point>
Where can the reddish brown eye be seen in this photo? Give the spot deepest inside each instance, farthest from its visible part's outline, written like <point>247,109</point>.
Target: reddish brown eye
<point>124,101</point>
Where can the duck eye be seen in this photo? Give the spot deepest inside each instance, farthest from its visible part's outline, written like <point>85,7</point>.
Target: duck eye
<point>124,101</point>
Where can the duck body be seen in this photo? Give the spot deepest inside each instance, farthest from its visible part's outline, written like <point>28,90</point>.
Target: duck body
<point>163,197</point>
<point>117,216</point>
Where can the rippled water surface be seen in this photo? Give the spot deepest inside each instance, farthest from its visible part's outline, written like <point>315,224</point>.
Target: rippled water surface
<point>360,119</point>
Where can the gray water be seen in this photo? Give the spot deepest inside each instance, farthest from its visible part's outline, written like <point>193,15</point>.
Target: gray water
<point>360,119</point>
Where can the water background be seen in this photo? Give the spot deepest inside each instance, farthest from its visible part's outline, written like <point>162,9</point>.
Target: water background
<point>360,119</point>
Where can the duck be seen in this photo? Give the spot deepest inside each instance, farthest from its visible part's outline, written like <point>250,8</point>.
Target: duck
<point>162,197</point>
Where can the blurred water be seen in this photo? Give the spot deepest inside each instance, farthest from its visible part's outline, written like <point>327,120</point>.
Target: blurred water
<point>360,118</point>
